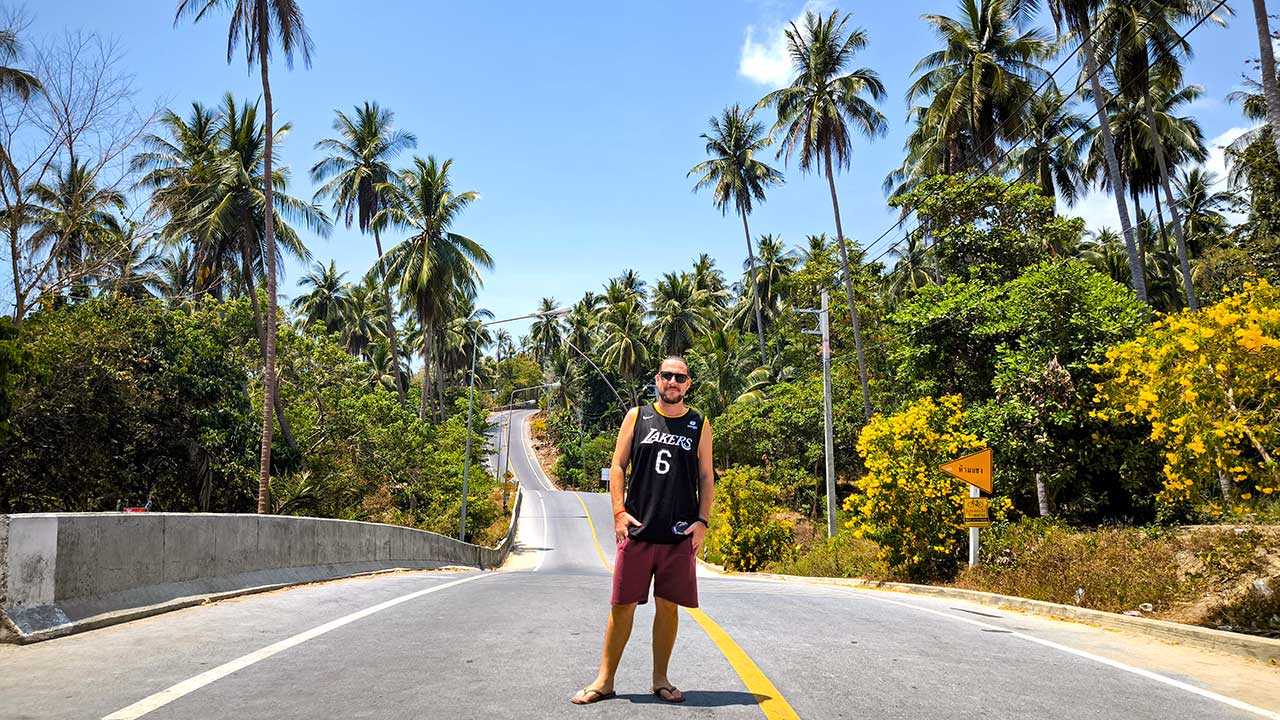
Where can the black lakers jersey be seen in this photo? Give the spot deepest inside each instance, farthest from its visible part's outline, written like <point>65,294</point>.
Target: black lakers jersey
<point>662,483</point>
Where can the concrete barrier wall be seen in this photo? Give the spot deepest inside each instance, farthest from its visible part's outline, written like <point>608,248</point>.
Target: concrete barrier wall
<point>65,572</point>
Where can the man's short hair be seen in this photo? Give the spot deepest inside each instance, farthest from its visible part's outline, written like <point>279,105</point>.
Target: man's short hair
<point>675,357</point>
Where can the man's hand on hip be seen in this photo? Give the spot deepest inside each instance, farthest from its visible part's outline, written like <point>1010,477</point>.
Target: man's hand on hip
<point>621,523</point>
<point>697,533</point>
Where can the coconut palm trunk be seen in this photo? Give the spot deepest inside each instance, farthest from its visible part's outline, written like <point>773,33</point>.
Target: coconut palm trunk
<point>1267,56</point>
<point>391,326</point>
<point>1137,224</point>
<point>848,288</point>
<point>1139,277</point>
<point>426,374</point>
<point>1183,261</point>
<point>269,376</point>
<point>755,290</point>
<point>277,404</point>
<point>439,375</point>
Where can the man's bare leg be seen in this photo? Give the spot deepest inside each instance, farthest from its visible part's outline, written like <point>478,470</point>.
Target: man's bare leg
<point>666,624</point>
<point>616,633</point>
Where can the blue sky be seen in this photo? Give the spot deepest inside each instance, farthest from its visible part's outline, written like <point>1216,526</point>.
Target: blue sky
<point>576,122</point>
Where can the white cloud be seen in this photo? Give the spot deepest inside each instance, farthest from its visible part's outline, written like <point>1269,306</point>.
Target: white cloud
<point>764,57</point>
<point>1217,161</point>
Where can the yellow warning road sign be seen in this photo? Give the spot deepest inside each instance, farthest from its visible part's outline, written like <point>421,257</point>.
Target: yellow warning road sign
<point>509,475</point>
<point>974,469</point>
<point>975,512</point>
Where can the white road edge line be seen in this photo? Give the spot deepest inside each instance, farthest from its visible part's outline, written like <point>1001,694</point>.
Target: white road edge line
<point>164,697</point>
<point>1238,704</point>
<point>533,462</point>
<point>546,534</point>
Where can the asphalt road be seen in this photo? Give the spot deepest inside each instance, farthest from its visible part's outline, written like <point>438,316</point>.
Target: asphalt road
<point>518,642</point>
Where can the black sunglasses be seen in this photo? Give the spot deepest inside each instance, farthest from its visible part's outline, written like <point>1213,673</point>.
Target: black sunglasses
<point>669,376</point>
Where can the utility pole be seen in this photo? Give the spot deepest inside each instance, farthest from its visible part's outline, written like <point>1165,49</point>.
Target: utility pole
<point>582,450</point>
<point>824,330</point>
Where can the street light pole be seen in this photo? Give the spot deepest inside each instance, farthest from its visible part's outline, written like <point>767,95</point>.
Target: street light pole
<point>578,350</point>
<point>471,399</point>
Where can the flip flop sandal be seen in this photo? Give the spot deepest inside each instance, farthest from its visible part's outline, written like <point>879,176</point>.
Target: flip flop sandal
<point>670,690</point>
<point>594,696</point>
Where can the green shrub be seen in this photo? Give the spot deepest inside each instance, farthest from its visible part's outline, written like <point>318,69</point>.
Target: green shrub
<point>843,556</point>
<point>746,532</point>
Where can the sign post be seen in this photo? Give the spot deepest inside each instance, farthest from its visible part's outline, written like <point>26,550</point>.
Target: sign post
<point>974,469</point>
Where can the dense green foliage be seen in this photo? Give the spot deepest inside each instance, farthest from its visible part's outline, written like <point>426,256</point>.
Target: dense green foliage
<point>124,400</point>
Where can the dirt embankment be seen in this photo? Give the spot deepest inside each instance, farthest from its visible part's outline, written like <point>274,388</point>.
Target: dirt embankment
<point>545,450</point>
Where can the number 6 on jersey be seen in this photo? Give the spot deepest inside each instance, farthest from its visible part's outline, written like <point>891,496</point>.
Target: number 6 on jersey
<point>660,464</point>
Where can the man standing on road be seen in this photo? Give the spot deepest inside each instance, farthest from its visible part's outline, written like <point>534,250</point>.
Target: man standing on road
<point>659,525</point>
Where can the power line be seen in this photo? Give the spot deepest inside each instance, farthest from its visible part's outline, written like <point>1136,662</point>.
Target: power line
<point>1182,37</point>
<point>1085,127</point>
<point>1048,79</point>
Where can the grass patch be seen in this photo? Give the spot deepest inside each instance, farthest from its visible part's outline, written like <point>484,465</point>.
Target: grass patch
<point>1113,569</point>
<point>842,556</point>
<point>1216,576</point>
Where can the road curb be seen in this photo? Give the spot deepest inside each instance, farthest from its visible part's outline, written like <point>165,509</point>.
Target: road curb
<point>1257,648</point>
<point>131,614</point>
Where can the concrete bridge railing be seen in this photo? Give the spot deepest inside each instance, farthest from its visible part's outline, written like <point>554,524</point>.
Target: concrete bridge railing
<point>61,573</point>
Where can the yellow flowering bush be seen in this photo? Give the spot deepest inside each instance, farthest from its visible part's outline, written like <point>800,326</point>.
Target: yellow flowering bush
<point>908,506</point>
<point>1208,383</point>
<point>746,532</point>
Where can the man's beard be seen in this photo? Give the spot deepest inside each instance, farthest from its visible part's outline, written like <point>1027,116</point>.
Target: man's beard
<point>678,398</point>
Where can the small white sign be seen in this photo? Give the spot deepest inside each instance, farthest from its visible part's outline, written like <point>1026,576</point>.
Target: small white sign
<point>604,476</point>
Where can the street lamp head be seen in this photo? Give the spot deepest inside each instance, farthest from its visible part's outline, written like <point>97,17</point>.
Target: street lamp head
<point>558,312</point>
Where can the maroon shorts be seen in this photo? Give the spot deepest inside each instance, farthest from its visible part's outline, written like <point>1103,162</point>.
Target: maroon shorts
<point>670,567</point>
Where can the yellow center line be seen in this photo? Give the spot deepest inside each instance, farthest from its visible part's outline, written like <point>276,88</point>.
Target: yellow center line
<point>758,684</point>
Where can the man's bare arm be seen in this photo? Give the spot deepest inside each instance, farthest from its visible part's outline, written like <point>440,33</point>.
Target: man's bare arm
<point>617,476</point>
<point>706,486</point>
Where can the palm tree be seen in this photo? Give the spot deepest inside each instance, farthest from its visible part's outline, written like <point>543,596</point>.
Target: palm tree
<point>73,217</point>
<point>362,315</point>
<point>737,177</point>
<point>623,341</point>
<point>819,112</point>
<point>175,273</point>
<point>631,283</point>
<point>358,165</point>
<point>327,301</point>
<point>1130,125</point>
<point>709,278</point>
<point>546,332</point>
<point>260,23</point>
<point>777,265</point>
<point>911,271</point>
<point>1267,60</point>
<point>134,265</point>
<point>1148,49</point>
<point>980,83</point>
<point>433,262</point>
<point>678,310</point>
<point>13,80</point>
<point>1105,251</point>
<point>178,170</point>
<point>1050,154</point>
<point>1202,206</point>
<point>721,369</point>
<point>1077,17</point>
<point>582,321</point>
